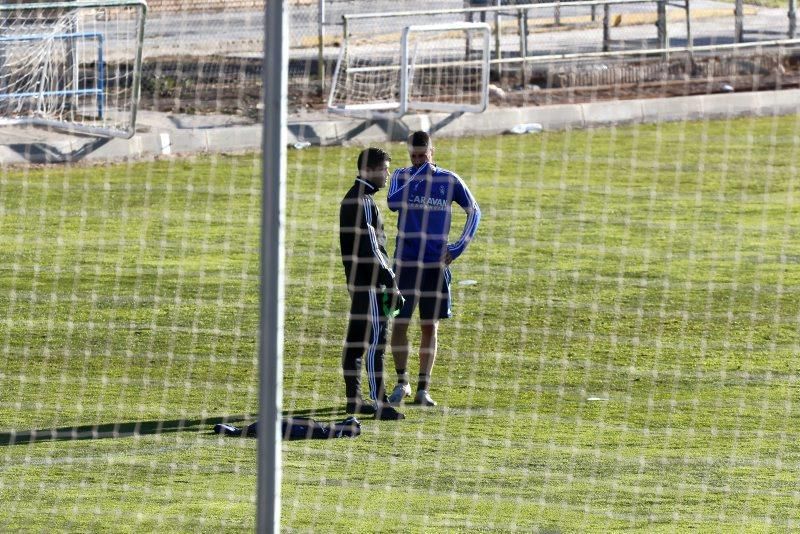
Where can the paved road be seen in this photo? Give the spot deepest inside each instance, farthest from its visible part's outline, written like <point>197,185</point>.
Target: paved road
<point>241,33</point>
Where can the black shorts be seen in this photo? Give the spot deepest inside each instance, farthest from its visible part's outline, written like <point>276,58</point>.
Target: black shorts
<point>427,285</point>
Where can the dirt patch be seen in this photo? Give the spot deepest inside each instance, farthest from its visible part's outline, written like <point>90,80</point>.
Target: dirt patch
<point>234,85</point>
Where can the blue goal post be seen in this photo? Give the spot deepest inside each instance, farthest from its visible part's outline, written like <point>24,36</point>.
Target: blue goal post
<point>73,66</point>
<point>98,90</point>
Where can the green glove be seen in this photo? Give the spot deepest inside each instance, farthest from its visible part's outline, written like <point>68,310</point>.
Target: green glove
<point>391,302</point>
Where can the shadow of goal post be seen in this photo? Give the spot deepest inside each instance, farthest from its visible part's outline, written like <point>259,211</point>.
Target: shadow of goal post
<point>72,66</point>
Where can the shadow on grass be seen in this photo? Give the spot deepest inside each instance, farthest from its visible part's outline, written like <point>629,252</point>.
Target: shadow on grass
<point>315,412</point>
<point>45,153</point>
<point>137,428</point>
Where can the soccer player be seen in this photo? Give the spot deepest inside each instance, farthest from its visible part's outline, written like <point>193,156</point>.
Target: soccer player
<point>374,296</point>
<point>423,195</point>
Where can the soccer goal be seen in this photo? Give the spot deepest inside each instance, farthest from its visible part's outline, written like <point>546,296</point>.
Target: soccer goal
<point>73,66</point>
<point>441,67</point>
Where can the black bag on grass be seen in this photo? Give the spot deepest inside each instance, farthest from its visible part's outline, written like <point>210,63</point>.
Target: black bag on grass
<point>294,428</point>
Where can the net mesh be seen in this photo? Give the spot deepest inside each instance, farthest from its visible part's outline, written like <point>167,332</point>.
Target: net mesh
<point>625,342</point>
<point>35,64</point>
<point>366,80</point>
<point>447,69</point>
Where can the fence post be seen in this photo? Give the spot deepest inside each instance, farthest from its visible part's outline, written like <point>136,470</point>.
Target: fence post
<point>606,30</point>
<point>497,55</point>
<point>557,13</point>
<point>523,45</point>
<point>688,24</point>
<point>321,59</point>
<point>661,24</point>
<point>344,30</point>
<point>792,19</point>
<point>738,14</point>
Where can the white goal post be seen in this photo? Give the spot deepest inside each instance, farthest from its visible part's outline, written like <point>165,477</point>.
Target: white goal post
<point>439,67</point>
<point>73,66</point>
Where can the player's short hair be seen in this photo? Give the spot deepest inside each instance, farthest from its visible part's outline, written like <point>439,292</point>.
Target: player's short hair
<point>420,139</point>
<point>372,157</point>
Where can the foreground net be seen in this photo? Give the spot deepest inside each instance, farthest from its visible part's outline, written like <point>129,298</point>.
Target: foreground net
<point>623,351</point>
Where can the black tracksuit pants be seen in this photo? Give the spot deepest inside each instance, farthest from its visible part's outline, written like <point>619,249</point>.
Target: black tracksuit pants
<point>366,340</point>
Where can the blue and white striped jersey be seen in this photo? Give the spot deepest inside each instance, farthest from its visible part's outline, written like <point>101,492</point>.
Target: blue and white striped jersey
<point>423,197</point>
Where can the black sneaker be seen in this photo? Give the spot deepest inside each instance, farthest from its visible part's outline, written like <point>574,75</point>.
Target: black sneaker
<point>387,413</point>
<point>360,407</point>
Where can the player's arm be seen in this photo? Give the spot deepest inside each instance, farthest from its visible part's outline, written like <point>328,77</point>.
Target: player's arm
<point>369,249</point>
<point>463,197</point>
<point>397,184</point>
<point>349,214</point>
<point>391,300</point>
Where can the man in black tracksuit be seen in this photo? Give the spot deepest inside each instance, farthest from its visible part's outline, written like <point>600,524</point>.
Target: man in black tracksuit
<point>371,283</point>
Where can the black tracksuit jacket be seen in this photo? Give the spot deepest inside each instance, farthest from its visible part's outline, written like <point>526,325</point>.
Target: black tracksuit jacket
<point>363,241</point>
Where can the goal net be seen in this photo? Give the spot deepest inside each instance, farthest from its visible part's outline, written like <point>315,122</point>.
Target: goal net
<point>441,67</point>
<point>72,65</point>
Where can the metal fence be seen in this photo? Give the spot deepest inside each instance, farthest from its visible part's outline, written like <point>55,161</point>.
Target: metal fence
<point>594,25</point>
<point>575,31</point>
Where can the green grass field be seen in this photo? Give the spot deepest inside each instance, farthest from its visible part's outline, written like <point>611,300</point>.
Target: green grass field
<point>656,267</point>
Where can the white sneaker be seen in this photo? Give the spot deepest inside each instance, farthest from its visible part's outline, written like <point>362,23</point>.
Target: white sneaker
<point>423,398</point>
<point>400,392</point>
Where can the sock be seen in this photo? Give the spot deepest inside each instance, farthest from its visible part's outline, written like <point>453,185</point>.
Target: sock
<point>402,377</point>
<point>422,382</point>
